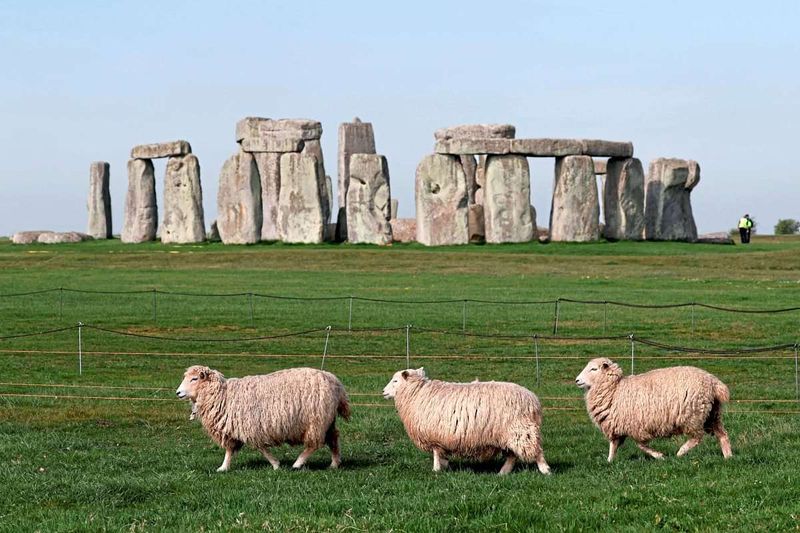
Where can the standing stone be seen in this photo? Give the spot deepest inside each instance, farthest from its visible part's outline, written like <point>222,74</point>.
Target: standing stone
<point>575,210</point>
<point>668,207</point>
<point>507,199</point>
<point>99,204</point>
<point>212,235</point>
<point>141,211</point>
<point>480,179</point>
<point>393,207</point>
<point>354,138</point>
<point>314,149</point>
<point>269,171</point>
<point>404,229</point>
<point>623,199</point>
<point>239,214</point>
<point>441,201</point>
<point>368,207</point>
<point>299,203</point>
<point>183,202</point>
<point>470,168</point>
<point>475,224</point>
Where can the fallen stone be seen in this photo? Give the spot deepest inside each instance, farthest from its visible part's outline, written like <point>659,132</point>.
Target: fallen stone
<point>404,229</point>
<point>668,207</point>
<point>354,138</point>
<point>623,199</point>
<point>575,211</point>
<point>476,131</point>
<point>63,237</point>
<point>183,202</point>
<point>269,171</point>
<point>368,208</point>
<point>27,237</point>
<point>158,150</point>
<point>239,214</point>
<point>475,224</point>
<point>299,203</point>
<point>473,146</point>
<point>99,203</point>
<point>720,237</point>
<point>546,147</point>
<point>441,201</point>
<point>141,211</point>
<point>507,200</point>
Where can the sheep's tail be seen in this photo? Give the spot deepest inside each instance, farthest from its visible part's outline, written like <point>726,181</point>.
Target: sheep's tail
<point>344,406</point>
<point>721,392</point>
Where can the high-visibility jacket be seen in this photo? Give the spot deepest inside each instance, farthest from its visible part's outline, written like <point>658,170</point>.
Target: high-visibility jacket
<point>745,222</point>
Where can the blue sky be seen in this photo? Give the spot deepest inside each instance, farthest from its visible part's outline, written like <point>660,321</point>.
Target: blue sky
<point>718,82</point>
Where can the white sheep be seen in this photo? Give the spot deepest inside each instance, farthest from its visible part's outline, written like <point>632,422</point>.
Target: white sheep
<point>680,400</point>
<point>476,420</point>
<point>294,406</point>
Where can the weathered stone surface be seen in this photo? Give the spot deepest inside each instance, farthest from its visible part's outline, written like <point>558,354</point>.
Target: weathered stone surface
<point>441,201</point>
<point>368,208</point>
<point>470,167</point>
<point>623,199</point>
<point>212,235</point>
<point>99,203</point>
<point>404,229</point>
<point>599,148</point>
<point>668,207</point>
<point>475,223</point>
<point>271,143</point>
<point>313,148</point>
<point>296,128</point>
<point>330,233</point>
<point>507,199</point>
<point>476,131</point>
<point>157,150</point>
<point>183,202</point>
<point>269,171</point>
<point>575,210</point>
<point>299,204</point>
<point>56,237</point>
<point>141,211</point>
<point>239,213</point>
<point>393,205</point>
<point>546,147</point>
<point>720,237</point>
<point>600,166</point>
<point>473,146</point>
<point>354,138</point>
<point>27,237</point>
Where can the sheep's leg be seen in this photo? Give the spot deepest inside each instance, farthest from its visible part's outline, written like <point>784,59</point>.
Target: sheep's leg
<point>613,444</point>
<point>541,464</point>
<point>689,444</point>
<point>332,440</point>
<point>724,441</point>
<point>649,451</point>
<point>439,460</point>
<point>301,460</point>
<point>271,458</point>
<point>226,463</point>
<point>508,466</point>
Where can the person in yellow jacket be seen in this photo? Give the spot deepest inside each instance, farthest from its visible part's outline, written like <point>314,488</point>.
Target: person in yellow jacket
<point>745,226</point>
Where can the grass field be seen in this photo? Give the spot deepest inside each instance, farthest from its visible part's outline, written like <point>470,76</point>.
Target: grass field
<point>111,449</point>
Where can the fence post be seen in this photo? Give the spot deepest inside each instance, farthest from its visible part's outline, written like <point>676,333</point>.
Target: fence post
<point>536,355</point>
<point>605,312</point>
<point>632,351</point>
<point>80,349</point>
<point>408,345</point>
<point>350,316</point>
<point>555,317</point>
<point>325,349</point>
<point>796,382</point>
<point>464,317</point>
<point>252,310</point>
<point>155,306</point>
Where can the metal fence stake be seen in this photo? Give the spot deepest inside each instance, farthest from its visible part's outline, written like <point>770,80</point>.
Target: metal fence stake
<point>155,306</point>
<point>632,352</point>
<point>692,307</point>
<point>464,317</point>
<point>61,303</point>
<point>408,345</point>
<point>796,382</point>
<point>536,354</point>
<point>325,349</point>
<point>252,310</point>
<point>605,316</point>
<point>350,316</point>
<point>80,349</point>
<point>555,318</point>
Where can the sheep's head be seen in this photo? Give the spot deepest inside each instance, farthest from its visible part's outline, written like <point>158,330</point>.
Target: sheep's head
<point>597,371</point>
<point>193,379</point>
<point>399,378</point>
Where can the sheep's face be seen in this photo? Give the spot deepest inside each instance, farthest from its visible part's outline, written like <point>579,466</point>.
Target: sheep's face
<point>192,379</point>
<point>390,390</point>
<point>597,370</point>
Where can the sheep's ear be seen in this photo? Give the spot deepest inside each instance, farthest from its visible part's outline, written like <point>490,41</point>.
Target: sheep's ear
<point>421,371</point>
<point>404,373</point>
<point>203,374</point>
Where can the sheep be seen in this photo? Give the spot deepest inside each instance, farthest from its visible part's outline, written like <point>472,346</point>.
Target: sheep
<point>294,406</point>
<point>476,420</point>
<point>680,400</point>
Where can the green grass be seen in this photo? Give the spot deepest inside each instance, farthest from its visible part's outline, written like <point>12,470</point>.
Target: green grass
<point>140,465</point>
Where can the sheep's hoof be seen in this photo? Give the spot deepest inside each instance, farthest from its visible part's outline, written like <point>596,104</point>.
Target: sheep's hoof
<point>334,466</point>
<point>222,469</point>
<point>545,470</point>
